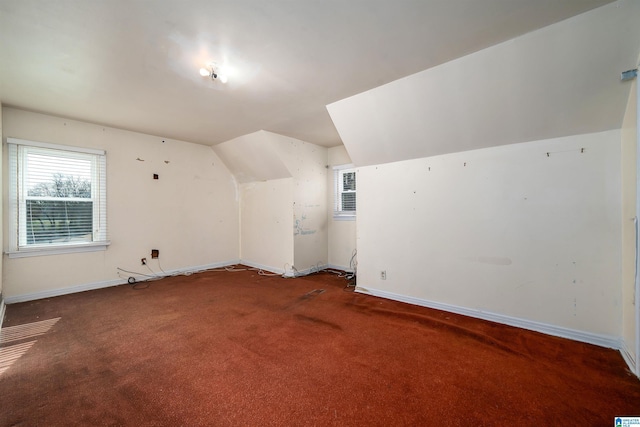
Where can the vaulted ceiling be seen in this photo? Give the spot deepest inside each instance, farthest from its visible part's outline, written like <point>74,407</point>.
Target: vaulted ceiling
<point>134,64</point>
<point>561,80</point>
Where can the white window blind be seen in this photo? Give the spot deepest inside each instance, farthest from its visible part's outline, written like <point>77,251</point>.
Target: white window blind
<point>344,206</point>
<point>57,196</point>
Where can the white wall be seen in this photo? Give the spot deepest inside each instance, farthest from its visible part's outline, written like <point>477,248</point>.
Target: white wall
<point>341,233</point>
<point>629,192</point>
<point>506,230</point>
<point>557,81</point>
<point>190,214</point>
<point>283,200</point>
<point>307,164</point>
<point>1,229</point>
<point>266,221</point>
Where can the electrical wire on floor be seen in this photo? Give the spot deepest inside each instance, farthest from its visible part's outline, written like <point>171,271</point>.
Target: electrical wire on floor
<point>140,285</point>
<point>135,282</point>
<point>351,285</point>
<point>353,265</point>
<point>351,277</point>
<point>231,268</point>
<point>234,268</point>
<point>137,279</point>
<point>261,272</point>
<point>319,268</point>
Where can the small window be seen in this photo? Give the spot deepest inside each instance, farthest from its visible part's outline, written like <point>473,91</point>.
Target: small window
<point>345,192</point>
<point>57,198</point>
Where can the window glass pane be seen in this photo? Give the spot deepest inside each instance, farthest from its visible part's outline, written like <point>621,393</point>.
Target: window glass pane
<point>348,201</point>
<point>345,192</point>
<point>61,185</point>
<point>57,176</point>
<point>53,221</point>
<point>57,198</point>
<point>349,181</point>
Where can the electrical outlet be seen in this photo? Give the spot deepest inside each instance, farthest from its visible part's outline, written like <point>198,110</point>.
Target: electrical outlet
<point>155,253</point>
<point>143,261</point>
<point>383,275</point>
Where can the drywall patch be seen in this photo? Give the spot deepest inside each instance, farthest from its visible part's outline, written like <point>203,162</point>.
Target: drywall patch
<point>298,227</point>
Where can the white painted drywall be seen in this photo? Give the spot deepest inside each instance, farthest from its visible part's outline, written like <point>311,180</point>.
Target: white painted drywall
<point>341,233</point>
<point>307,163</point>
<point>252,158</point>
<point>629,192</point>
<point>190,213</point>
<point>263,162</point>
<point>508,230</point>
<point>557,81</point>
<point>1,213</point>
<point>266,222</point>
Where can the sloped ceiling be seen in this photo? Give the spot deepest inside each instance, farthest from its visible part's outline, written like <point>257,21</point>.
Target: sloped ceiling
<point>560,80</point>
<point>133,64</point>
<point>263,156</point>
<point>253,157</point>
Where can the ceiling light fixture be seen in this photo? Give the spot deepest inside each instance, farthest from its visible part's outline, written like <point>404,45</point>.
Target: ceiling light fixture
<point>212,70</point>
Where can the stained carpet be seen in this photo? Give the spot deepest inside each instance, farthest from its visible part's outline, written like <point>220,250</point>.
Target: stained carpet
<point>241,349</point>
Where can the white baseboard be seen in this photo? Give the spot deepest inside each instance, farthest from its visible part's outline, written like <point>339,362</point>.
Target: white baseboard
<point>2,308</point>
<point>107,283</point>
<point>285,273</point>
<point>306,272</point>
<point>289,273</point>
<point>198,268</point>
<point>268,268</point>
<point>558,331</point>
<point>63,291</point>
<point>628,356</point>
<point>116,282</point>
<point>340,267</point>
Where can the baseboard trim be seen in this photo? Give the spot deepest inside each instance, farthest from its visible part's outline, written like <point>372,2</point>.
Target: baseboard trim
<point>268,268</point>
<point>108,283</point>
<point>558,331</point>
<point>2,309</point>
<point>63,291</point>
<point>340,267</point>
<point>628,356</point>
<point>315,269</point>
<point>287,273</point>
<point>200,268</point>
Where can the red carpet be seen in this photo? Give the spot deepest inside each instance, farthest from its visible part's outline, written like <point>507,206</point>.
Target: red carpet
<point>240,349</point>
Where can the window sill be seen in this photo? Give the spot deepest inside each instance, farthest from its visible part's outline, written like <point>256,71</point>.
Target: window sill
<point>344,217</point>
<point>58,250</point>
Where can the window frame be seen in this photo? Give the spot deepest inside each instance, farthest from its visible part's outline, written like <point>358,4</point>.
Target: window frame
<point>18,247</point>
<point>338,173</point>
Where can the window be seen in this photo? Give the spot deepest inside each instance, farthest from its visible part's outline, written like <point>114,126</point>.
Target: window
<point>57,199</point>
<point>345,192</point>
